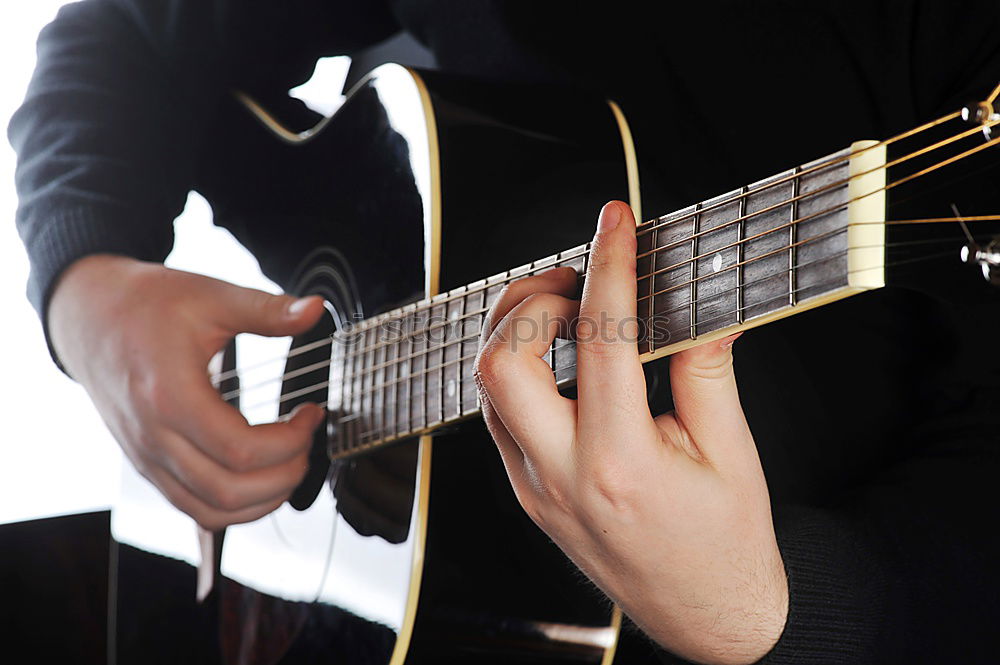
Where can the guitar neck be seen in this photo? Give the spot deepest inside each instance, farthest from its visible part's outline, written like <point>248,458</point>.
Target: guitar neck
<point>803,238</point>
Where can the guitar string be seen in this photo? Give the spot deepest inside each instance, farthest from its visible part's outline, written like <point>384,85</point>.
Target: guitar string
<point>365,325</point>
<point>226,375</point>
<point>556,370</point>
<point>993,96</point>
<point>394,404</point>
<point>825,163</point>
<point>470,315</point>
<point>640,231</point>
<point>995,93</point>
<point>659,250</point>
<point>699,212</point>
<point>401,360</point>
<point>461,319</point>
<point>370,371</point>
<point>391,362</point>
<point>789,224</point>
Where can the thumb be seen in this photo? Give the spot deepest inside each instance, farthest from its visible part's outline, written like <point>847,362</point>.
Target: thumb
<point>706,399</point>
<point>249,310</point>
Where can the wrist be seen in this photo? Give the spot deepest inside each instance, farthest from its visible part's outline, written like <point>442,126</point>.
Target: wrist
<point>735,622</point>
<point>750,628</point>
<point>83,290</point>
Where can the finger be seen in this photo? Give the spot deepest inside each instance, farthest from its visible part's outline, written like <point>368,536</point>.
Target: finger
<point>561,281</point>
<point>520,385</point>
<point>611,385</point>
<point>707,402</point>
<point>510,452</point>
<point>219,487</point>
<point>206,516</point>
<point>238,309</point>
<point>190,406</point>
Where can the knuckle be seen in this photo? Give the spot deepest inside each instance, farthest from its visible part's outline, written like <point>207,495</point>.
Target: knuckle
<point>612,253</point>
<point>546,502</point>
<point>599,336</point>
<point>224,497</point>
<point>209,521</point>
<point>238,457</point>
<point>266,304</point>
<point>542,301</point>
<point>150,452</point>
<point>490,368</point>
<point>273,306</point>
<point>154,393</point>
<point>145,469</point>
<point>704,366</point>
<point>612,489</point>
<point>508,292</point>
<point>558,500</point>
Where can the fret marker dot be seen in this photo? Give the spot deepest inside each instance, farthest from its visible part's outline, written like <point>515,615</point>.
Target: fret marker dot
<point>451,387</point>
<point>717,263</point>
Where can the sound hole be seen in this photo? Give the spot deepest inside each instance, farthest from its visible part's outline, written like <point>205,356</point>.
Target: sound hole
<point>310,374</point>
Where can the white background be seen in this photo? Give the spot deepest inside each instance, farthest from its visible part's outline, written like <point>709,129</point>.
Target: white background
<point>56,456</point>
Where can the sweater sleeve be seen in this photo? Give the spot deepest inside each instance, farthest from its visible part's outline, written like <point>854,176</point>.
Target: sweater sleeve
<point>109,134</point>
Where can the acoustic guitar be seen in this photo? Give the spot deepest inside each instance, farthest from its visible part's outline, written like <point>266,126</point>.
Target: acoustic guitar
<point>405,543</point>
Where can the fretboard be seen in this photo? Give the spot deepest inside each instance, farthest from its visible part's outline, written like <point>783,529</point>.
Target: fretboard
<point>802,238</point>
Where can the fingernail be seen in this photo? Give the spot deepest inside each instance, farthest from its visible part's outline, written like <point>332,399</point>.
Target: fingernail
<point>296,307</point>
<point>315,416</point>
<point>320,416</point>
<point>608,220</point>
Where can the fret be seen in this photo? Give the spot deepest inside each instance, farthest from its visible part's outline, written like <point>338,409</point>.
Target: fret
<point>357,361</point>
<point>519,271</point>
<point>792,235</point>
<point>717,302</point>
<point>672,273</point>
<point>822,233</point>
<point>740,235</point>
<point>541,265</point>
<point>645,244</point>
<point>472,325</point>
<point>452,352</point>
<point>693,270</point>
<point>379,380</point>
<point>550,356</point>
<point>343,406</point>
<point>435,341</point>
<point>391,374</point>
<point>574,258</point>
<point>765,270</point>
<point>418,375</point>
<point>494,289</point>
<point>366,423</point>
<point>405,350</point>
<point>564,360</point>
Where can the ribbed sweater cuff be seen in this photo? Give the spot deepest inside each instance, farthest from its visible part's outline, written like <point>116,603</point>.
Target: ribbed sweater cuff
<point>837,591</point>
<point>71,234</point>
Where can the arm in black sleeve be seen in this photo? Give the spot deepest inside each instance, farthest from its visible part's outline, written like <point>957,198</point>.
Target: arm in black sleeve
<point>904,574</point>
<point>109,134</point>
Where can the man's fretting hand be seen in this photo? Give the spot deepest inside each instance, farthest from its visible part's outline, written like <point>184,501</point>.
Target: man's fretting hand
<point>670,516</point>
<point>139,337</point>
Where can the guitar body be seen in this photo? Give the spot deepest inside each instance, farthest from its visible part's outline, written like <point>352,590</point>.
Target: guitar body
<point>419,552</point>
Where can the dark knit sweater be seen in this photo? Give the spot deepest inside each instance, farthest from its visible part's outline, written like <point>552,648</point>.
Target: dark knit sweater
<point>883,488</point>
